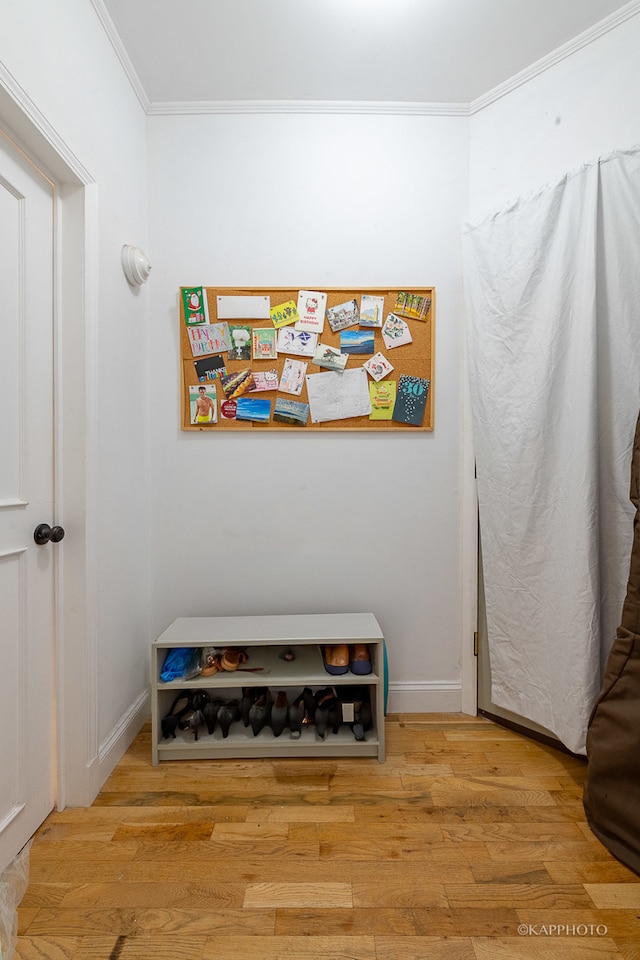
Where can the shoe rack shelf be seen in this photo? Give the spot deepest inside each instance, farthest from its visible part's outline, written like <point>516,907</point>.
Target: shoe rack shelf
<point>265,639</point>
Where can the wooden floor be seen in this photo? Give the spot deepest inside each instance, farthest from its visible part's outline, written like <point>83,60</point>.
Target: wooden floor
<point>469,843</point>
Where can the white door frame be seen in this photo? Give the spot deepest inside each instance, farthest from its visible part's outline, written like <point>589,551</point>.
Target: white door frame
<point>74,321</point>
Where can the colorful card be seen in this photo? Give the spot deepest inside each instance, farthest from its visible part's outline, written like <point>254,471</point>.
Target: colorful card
<point>356,341</point>
<point>378,367</point>
<point>311,309</point>
<point>237,383</point>
<point>240,338</point>
<point>196,308</point>
<point>299,342</point>
<point>249,408</point>
<point>211,368</point>
<point>412,305</point>
<point>383,398</point>
<point>203,405</point>
<point>344,315</point>
<point>293,374</point>
<point>371,311</point>
<point>291,411</point>
<point>209,338</point>
<point>265,380</point>
<point>264,344</point>
<point>329,357</point>
<point>395,332</point>
<point>284,313</point>
<point>228,409</point>
<point>411,400</point>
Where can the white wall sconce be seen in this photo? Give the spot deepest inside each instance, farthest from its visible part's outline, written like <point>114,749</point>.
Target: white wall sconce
<point>135,265</point>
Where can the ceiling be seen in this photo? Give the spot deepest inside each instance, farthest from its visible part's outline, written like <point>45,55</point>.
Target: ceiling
<point>424,51</point>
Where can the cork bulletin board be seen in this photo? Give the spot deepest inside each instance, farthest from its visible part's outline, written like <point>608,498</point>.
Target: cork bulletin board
<point>239,375</point>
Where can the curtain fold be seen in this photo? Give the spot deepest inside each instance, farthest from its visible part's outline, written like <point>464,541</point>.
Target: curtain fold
<point>553,313</point>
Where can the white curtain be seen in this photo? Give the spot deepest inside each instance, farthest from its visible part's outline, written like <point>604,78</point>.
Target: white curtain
<point>553,308</point>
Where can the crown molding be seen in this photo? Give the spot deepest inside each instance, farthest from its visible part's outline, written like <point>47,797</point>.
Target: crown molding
<point>561,53</point>
<point>361,107</point>
<point>121,53</point>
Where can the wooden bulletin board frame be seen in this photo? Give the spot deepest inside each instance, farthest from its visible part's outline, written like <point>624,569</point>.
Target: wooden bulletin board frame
<point>415,359</point>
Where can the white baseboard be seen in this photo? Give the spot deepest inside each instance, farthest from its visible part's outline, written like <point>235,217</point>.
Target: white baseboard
<point>114,747</point>
<point>426,697</point>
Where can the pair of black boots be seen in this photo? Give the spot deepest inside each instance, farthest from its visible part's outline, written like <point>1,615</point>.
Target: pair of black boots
<point>259,710</point>
<point>192,710</point>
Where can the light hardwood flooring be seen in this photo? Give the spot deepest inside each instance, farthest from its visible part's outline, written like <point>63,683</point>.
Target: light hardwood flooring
<point>469,843</point>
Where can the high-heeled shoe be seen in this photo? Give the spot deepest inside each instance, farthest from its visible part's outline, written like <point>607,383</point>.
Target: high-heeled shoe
<point>325,700</point>
<point>296,717</point>
<point>279,713</point>
<point>228,713</point>
<point>210,713</point>
<point>179,708</point>
<point>363,720</point>
<point>260,712</point>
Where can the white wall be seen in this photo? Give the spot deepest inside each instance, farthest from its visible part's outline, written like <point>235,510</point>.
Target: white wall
<point>59,58</point>
<point>288,522</point>
<point>581,108</point>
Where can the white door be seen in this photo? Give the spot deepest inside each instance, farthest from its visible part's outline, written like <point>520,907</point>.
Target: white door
<point>27,741</point>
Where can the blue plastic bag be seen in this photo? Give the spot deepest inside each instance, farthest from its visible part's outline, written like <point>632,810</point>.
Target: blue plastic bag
<point>178,664</point>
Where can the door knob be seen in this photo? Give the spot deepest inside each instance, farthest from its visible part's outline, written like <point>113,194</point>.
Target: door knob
<point>43,533</point>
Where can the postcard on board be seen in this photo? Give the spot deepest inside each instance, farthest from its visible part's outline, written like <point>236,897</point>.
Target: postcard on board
<point>243,308</point>
<point>329,357</point>
<point>237,383</point>
<point>356,341</point>
<point>412,305</point>
<point>264,343</point>
<point>293,374</point>
<point>240,338</point>
<point>378,367</point>
<point>299,342</point>
<point>371,311</point>
<point>291,411</point>
<point>250,408</point>
<point>395,332</point>
<point>284,313</point>
<point>338,396</point>
<point>344,315</point>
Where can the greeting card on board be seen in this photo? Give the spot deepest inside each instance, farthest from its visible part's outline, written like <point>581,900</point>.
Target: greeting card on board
<point>371,311</point>
<point>243,308</point>
<point>284,314</point>
<point>265,380</point>
<point>378,367</point>
<point>411,400</point>
<point>196,308</point>
<point>293,374</point>
<point>311,308</point>
<point>383,398</point>
<point>211,368</point>
<point>209,338</point>
<point>395,332</point>
<point>203,405</point>
<point>264,343</point>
